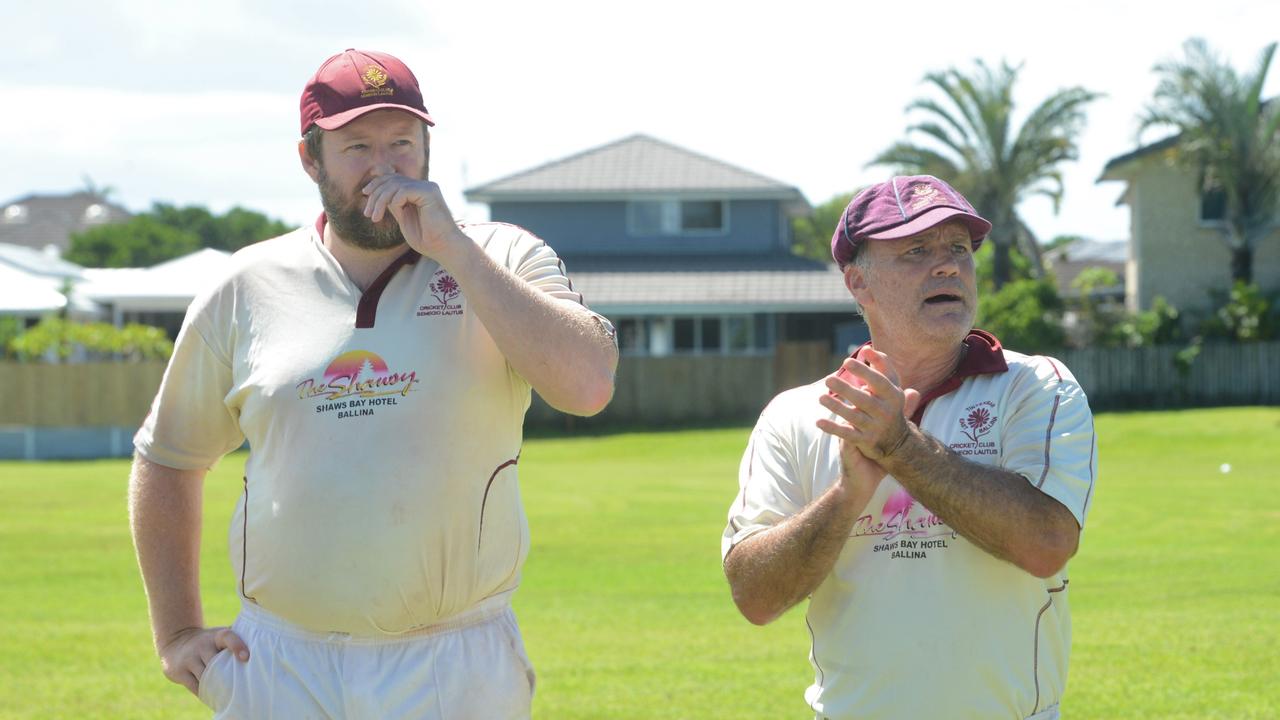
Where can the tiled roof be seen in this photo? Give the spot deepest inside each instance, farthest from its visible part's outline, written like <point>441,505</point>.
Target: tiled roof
<point>635,165</point>
<point>709,285</point>
<point>37,221</point>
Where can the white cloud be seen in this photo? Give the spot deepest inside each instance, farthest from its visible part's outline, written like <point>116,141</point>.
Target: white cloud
<point>197,102</point>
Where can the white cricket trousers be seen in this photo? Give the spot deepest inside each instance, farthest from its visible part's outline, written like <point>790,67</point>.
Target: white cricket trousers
<point>471,667</point>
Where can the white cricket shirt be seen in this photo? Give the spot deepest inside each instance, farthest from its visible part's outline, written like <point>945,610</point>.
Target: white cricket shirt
<point>385,429</point>
<point>915,621</point>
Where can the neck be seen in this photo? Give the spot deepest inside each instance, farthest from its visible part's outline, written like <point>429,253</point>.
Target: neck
<point>363,266</point>
<point>922,366</point>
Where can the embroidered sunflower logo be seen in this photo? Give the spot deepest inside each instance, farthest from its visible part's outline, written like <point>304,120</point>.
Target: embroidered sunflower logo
<point>374,77</point>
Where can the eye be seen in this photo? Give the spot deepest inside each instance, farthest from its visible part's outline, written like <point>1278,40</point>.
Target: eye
<point>917,250</point>
<point>357,147</point>
<point>960,249</point>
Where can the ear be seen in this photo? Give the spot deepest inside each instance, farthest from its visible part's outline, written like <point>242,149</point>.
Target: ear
<point>855,279</point>
<point>308,163</point>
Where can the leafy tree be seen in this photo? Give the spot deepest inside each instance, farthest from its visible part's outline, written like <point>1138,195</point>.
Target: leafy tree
<point>60,338</point>
<point>1110,325</point>
<point>811,234</point>
<point>166,232</point>
<point>1019,267</point>
<point>141,241</point>
<point>1226,134</point>
<point>230,232</point>
<point>974,146</point>
<point>10,328</point>
<point>1025,314</point>
<point>1244,315</point>
<point>1161,325</point>
<point>1101,321</point>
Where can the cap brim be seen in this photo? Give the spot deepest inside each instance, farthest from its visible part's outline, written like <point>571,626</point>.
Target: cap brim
<point>978,227</point>
<point>333,122</point>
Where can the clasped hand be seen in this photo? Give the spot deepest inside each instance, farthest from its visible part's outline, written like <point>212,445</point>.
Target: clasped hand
<point>871,413</point>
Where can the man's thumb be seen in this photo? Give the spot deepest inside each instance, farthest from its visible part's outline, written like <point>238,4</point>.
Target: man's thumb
<point>911,401</point>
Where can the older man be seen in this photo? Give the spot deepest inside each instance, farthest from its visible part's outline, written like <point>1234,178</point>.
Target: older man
<point>927,496</point>
<point>379,363</point>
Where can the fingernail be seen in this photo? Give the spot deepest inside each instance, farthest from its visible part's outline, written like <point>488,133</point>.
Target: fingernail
<point>243,655</point>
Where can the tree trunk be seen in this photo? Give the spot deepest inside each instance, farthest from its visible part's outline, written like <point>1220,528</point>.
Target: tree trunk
<point>1001,268</point>
<point>1242,264</point>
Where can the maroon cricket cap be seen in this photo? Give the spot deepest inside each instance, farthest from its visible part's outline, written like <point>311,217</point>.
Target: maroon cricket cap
<point>901,207</point>
<point>355,82</point>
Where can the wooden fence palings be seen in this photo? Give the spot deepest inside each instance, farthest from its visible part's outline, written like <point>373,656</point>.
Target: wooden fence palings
<point>683,388</point>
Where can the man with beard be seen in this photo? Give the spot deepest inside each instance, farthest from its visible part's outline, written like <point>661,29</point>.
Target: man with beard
<point>379,364</point>
<point>927,496</point>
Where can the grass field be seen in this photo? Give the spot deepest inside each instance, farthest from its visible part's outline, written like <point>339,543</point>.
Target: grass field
<point>1175,593</point>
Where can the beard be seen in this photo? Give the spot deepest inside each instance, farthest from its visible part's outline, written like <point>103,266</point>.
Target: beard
<point>346,215</point>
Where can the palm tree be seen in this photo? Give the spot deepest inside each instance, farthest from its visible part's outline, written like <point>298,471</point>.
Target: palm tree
<point>975,148</point>
<point>1227,135</point>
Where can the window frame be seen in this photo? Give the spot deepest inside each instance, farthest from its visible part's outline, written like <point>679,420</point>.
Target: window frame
<point>671,214</point>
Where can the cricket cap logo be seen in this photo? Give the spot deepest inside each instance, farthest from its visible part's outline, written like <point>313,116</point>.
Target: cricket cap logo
<point>922,195</point>
<point>374,77</point>
<point>375,80</point>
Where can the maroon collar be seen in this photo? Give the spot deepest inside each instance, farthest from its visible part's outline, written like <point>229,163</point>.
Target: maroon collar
<point>367,309</point>
<point>984,357</point>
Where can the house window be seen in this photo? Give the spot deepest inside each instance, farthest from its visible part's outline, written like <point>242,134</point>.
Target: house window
<point>696,335</point>
<point>1213,206</point>
<point>737,333</point>
<point>764,331</point>
<point>702,215</point>
<point>633,336</point>
<point>685,335</point>
<point>677,217</point>
<point>709,338</point>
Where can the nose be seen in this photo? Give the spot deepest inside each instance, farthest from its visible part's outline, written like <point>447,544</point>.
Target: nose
<point>382,162</point>
<point>948,265</point>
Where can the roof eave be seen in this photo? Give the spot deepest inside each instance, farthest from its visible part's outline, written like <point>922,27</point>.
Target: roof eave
<point>788,195</point>
<point>1112,170</point>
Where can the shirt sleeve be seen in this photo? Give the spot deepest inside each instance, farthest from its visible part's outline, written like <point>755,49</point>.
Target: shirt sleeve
<point>190,425</point>
<point>1049,438</point>
<point>770,489</point>
<point>535,262</point>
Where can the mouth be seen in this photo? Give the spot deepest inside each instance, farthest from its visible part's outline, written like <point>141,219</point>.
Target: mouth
<point>943,298</point>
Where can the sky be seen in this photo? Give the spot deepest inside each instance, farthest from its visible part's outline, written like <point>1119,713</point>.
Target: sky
<point>196,103</point>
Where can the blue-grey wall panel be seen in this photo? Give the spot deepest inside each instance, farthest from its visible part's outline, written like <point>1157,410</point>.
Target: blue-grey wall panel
<point>600,228</point>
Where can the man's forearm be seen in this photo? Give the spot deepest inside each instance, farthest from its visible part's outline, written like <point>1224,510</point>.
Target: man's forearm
<point>995,509</point>
<point>560,348</point>
<point>773,570</point>
<point>165,516</point>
